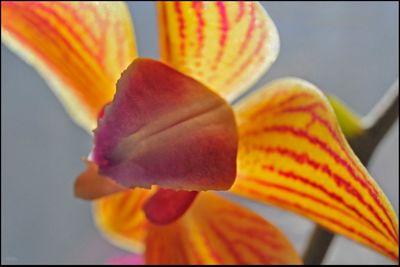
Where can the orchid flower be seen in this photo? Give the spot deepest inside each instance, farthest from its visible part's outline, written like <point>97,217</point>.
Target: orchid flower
<point>166,132</point>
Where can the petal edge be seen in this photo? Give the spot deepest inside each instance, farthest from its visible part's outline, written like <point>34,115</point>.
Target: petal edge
<point>227,45</point>
<point>75,47</point>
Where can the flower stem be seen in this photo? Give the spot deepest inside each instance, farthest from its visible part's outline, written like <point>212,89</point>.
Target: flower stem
<point>376,124</point>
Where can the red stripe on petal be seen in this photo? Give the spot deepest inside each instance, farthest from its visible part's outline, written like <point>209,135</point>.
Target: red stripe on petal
<point>291,148</point>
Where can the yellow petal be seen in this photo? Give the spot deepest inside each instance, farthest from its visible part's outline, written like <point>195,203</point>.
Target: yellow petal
<point>225,45</point>
<point>121,219</point>
<point>217,231</point>
<point>292,154</point>
<point>80,49</point>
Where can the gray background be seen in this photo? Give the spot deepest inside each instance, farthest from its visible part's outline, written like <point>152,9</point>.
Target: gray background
<point>348,49</point>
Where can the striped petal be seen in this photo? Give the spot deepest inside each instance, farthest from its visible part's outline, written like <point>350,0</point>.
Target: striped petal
<point>80,49</point>
<point>121,219</point>
<point>165,128</point>
<point>225,45</point>
<point>293,154</point>
<point>217,231</point>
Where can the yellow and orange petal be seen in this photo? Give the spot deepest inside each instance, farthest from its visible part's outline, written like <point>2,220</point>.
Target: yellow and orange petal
<point>293,154</point>
<point>226,45</point>
<point>217,231</point>
<point>121,219</point>
<point>80,49</point>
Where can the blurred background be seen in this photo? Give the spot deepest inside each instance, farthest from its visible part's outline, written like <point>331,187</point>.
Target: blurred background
<point>347,49</point>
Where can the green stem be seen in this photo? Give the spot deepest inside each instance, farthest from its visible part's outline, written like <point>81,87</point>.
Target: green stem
<point>376,124</point>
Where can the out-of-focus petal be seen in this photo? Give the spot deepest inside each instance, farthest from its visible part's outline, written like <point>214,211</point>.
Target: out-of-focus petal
<point>80,49</point>
<point>121,219</point>
<point>165,128</point>
<point>293,154</point>
<point>90,185</point>
<point>167,205</point>
<point>217,231</point>
<point>226,45</point>
<point>350,123</point>
<point>126,260</point>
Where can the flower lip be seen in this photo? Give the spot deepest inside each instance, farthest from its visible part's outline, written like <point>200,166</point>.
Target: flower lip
<point>164,128</point>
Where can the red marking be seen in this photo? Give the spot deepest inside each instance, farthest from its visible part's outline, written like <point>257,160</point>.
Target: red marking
<point>307,211</point>
<point>332,195</point>
<point>299,193</point>
<point>228,244</point>
<point>271,241</point>
<point>198,8</point>
<point>65,68</point>
<point>333,132</point>
<point>304,159</point>
<point>256,252</point>
<point>214,252</point>
<point>321,188</point>
<point>224,33</point>
<point>197,255</point>
<point>103,33</point>
<point>250,29</point>
<point>181,23</point>
<point>271,106</point>
<point>101,39</point>
<point>94,8</point>
<point>256,52</point>
<point>254,233</point>
<point>268,167</point>
<point>42,21</point>
<point>101,53</point>
<point>295,97</point>
<point>164,25</point>
<point>315,117</point>
<point>240,12</point>
<point>224,22</point>
<point>240,214</point>
<point>309,108</point>
<point>83,25</point>
<point>182,249</point>
<point>68,26</point>
<point>118,28</point>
